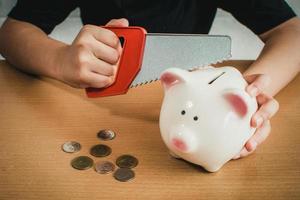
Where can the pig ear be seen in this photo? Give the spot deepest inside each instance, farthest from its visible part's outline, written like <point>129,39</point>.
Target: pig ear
<point>237,101</point>
<point>172,76</point>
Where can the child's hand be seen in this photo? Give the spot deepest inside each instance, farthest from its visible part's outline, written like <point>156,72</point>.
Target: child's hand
<point>92,59</point>
<point>268,106</point>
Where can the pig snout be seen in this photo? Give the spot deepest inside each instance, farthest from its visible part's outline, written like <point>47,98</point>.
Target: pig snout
<point>183,141</point>
<point>179,144</point>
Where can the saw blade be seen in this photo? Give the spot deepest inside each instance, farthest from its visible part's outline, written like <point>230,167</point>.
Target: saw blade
<point>185,51</point>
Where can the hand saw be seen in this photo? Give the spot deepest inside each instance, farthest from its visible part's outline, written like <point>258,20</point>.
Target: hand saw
<point>146,55</point>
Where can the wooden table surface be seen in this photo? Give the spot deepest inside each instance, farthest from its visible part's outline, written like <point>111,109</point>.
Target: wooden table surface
<point>38,115</point>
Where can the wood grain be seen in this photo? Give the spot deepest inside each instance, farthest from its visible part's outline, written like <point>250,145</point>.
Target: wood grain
<point>38,115</point>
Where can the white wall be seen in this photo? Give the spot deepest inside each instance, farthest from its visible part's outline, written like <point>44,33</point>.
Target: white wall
<point>245,45</point>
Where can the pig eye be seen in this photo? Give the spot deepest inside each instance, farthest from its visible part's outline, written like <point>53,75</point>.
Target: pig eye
<point>183,112</point>
<point>195,118</point>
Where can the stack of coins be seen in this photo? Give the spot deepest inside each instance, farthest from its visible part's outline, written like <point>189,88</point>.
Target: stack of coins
<point>125,172</point>
<point>125,162</point>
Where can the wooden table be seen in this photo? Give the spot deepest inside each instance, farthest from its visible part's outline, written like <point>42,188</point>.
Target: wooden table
<point>39,115</point>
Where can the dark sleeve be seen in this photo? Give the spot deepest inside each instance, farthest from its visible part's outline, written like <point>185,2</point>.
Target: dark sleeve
<point>45,14</point>
<point>258,15</point>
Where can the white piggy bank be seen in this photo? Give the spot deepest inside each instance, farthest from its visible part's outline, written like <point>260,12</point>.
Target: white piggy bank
<point>205,115</point>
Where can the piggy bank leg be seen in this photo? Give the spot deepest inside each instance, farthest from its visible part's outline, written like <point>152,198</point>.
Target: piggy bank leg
<point>173,155</point>
<point>212,168</point>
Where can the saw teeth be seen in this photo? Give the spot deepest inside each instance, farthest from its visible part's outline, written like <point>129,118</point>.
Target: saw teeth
<point>143,83</point>
<point>133,86</point>
<point>204,66</point>
<point>208,65</point>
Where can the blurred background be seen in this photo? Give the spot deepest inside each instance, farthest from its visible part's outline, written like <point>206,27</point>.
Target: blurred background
<point>245,45</point>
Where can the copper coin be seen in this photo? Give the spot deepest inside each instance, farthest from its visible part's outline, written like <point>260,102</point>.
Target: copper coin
<point>127,161</point>
<point>71,147</point>
<point>104,167</point>
<point>100,150</point>
<point>82,162</point>
<point>124,174</point>
<point>106,135</point>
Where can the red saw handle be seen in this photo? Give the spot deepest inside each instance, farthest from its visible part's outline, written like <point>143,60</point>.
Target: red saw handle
<point>130,61</point>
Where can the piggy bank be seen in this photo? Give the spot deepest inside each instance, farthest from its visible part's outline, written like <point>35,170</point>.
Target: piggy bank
<point>205,115</point>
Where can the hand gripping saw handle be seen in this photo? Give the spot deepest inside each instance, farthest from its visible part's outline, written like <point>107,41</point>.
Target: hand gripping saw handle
<point>129,64</point>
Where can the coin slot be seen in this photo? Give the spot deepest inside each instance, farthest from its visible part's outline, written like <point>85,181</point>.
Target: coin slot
<point>216,78</point>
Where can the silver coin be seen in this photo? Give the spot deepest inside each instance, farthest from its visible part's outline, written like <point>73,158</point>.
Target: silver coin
<point>71,147</point>
<point>104,167</point>
<point>106,134</point>
<point>124,174</point>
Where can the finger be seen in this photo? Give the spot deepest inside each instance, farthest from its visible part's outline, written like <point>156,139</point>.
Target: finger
<point>263,98</point>
<point>265,112</point>
<point>102,35</point>
<point>105,52</point>
<point>242,154</point>
<point>245,153</point>
<point>118,22</point>
<point>259,136</point>
<point>101,67</point>
<point>115,71</point>
<point>122,22</point>
<point>250,78</point>
<point>258,83</point>
<point>98,81</point>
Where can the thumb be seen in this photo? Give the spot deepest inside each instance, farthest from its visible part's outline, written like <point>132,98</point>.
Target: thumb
<point>118,22</point>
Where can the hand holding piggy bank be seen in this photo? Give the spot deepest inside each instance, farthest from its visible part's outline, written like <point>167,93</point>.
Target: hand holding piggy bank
<point>205,115</point>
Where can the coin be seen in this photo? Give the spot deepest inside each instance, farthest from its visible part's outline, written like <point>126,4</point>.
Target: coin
<point>82,162</point>
<point>124,174</point>
<point>104,167</point>
<point>100,150</point>
<point>71,147</point>
<point>106,134</point>
<point>127,161</point>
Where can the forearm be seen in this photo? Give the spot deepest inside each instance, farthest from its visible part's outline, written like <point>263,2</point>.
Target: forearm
<point>29,48</point>
<point>280,57</point>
